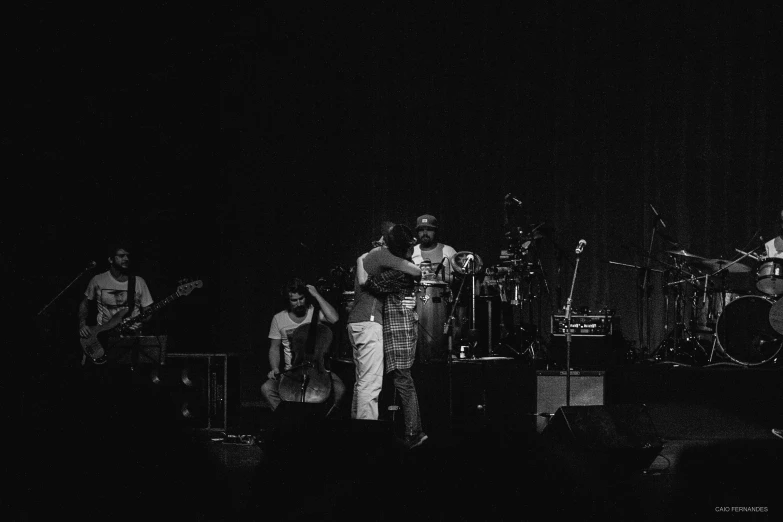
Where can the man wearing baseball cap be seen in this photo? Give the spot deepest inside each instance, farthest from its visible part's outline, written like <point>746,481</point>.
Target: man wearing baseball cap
<point>432,257</point>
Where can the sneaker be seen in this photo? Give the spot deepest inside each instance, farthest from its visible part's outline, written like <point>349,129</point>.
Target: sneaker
<point>778,432</point>
<point>415,441</point>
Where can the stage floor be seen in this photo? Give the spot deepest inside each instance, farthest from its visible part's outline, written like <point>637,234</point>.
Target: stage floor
<point>718,456</point>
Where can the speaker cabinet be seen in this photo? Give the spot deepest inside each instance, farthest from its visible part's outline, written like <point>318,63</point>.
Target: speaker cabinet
<point>587,389</point>
<point>612,441</point>
<point>204,388</point>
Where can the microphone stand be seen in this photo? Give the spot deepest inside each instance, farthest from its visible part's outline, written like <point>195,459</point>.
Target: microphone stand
<point>473,335</point>
<point>92,265</point>
<point>568,333</point>
<point>448,329</point>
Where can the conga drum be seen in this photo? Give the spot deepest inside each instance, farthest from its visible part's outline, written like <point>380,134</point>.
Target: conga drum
<point>432,306</point>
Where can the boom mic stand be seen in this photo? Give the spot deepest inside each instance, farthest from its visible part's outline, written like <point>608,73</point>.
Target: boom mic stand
<point>568,323</point>
<point>89,267</point>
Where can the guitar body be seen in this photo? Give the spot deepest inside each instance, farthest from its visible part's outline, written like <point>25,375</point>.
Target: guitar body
<point>93,346</point>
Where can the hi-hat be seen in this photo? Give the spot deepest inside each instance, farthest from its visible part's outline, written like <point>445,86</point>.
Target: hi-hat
<point>684,253</point>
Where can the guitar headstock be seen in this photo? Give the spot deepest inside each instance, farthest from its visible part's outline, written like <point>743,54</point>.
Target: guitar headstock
<point>186,287</point>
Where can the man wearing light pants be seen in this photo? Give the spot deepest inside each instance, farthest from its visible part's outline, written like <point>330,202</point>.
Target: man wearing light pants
<point>365,329</point>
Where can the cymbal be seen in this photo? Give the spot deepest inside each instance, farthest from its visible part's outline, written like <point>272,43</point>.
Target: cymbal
<point>717,264</point>
<point>684,253</point>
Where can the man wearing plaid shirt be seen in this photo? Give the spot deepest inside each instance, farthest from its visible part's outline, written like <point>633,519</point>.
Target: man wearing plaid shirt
<point>400,330</point>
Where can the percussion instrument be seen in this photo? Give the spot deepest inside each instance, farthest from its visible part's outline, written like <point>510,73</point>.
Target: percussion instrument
<point>432,307</point>
<point>744,333</point>
<point>683,253</point>
<point>769,276</point>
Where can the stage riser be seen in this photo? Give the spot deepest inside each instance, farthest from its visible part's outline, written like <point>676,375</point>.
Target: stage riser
<point>495,394</point>
<point>507,394</point>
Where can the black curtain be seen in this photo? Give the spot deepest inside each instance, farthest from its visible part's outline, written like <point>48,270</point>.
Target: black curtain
<point>247,145</point>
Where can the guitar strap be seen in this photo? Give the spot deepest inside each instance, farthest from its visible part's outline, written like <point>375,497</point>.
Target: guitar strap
<point>131,301</point>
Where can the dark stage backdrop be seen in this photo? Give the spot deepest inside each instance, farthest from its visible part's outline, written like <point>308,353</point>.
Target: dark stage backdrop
<point>245,146</point>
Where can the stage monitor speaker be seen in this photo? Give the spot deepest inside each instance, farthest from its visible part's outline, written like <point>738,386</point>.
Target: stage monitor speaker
<point>587,389</point>
<point>204,388</point>
<point>612,440</point>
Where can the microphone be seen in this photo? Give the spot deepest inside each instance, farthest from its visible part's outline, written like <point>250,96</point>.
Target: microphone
<point>91,265</point>
<point>440,266</point>
<point>468,259</point>
<point>511,199</point>
<point>580,246</point>
<point>657,216</point>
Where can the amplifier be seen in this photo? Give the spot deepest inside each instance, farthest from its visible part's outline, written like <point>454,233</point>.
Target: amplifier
<point>583,325</point>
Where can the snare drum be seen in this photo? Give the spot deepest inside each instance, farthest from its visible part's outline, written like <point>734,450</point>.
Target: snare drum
<point>432,301</point>
<point>769,276</point>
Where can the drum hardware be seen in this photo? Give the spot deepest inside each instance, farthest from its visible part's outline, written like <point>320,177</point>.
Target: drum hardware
<point>682,344</point>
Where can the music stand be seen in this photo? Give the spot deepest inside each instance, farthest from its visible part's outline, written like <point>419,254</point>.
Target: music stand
<point>135,350</point>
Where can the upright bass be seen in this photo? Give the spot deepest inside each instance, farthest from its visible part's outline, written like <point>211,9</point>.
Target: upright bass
<point>308,380</point>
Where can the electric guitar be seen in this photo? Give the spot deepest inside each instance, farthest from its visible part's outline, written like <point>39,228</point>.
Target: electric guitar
<point>92,346</point>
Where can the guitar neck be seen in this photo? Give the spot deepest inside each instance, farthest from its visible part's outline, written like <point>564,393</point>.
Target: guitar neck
<point>151,310</point>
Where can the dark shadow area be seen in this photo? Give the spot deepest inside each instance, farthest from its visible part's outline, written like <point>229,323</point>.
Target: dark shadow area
<point>119,452</point>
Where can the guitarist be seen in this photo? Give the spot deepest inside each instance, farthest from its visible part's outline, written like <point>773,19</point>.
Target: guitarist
<point>107,293</point>
<point>297,313</point>
<point>106,388</point>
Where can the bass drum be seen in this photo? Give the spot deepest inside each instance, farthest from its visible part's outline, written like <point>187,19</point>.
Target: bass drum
<point>744,332</point>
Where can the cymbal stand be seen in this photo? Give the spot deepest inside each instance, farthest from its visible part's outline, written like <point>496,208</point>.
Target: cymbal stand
<point>647,295</point>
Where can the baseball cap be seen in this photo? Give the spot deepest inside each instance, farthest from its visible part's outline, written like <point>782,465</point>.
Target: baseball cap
<point>427,220</point>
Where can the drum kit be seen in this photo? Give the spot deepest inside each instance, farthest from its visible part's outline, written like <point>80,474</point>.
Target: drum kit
<point>723,311</point>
